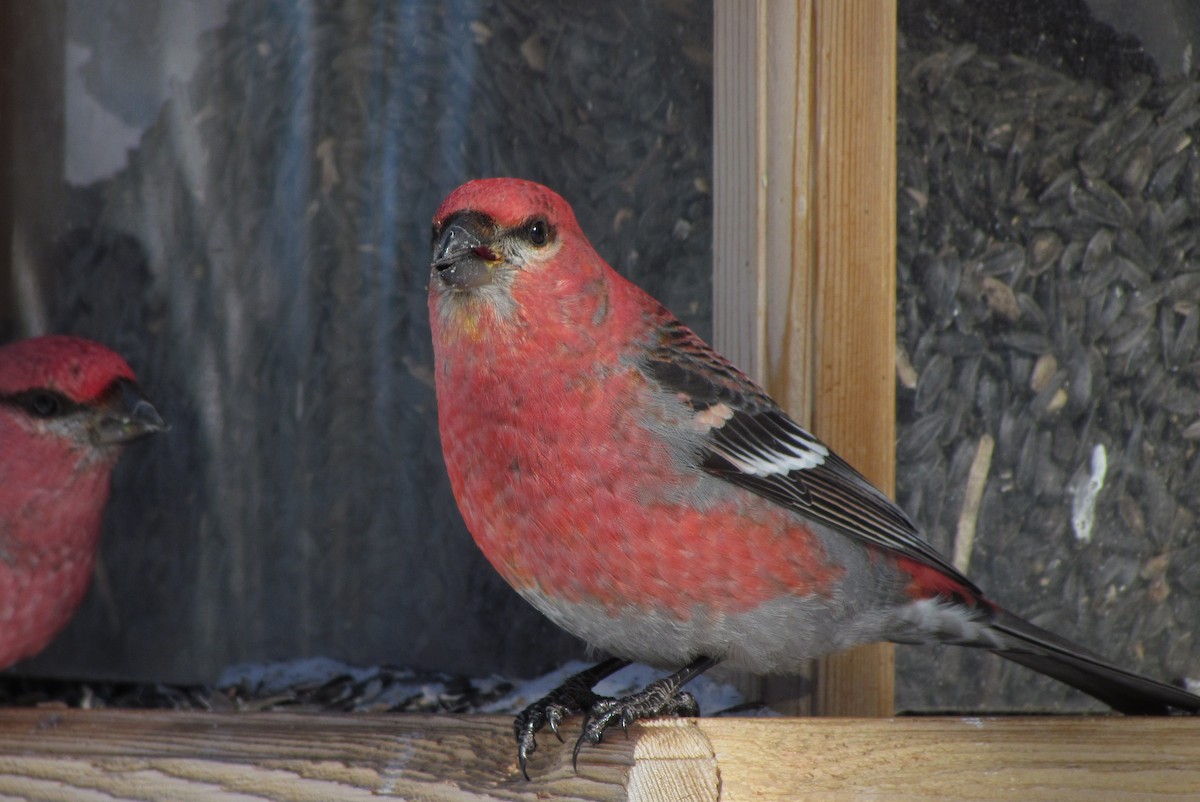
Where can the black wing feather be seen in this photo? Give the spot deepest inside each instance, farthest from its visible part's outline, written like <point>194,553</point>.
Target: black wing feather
<point>755,445</point>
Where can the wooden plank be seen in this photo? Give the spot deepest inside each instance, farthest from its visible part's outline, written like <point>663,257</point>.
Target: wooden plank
<point>1090,759</point>
<point>126,755</point>
<point>73,754</point>
<point>804,244</point>
<point>855,301</point>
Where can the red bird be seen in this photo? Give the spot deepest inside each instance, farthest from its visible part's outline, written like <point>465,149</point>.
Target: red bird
<point>67,406</point>
<point>648,497</point>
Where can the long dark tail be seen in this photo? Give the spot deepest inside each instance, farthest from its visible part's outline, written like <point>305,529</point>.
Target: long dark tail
<point>1125,691</point>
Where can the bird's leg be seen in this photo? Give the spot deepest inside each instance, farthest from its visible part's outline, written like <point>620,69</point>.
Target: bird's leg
<point>573,696</point>
<point>660,698</point>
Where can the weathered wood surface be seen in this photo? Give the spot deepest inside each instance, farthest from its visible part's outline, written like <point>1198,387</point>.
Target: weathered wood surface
<point>134,755</point>
<point>72,754</point>
<point>1018,759</point>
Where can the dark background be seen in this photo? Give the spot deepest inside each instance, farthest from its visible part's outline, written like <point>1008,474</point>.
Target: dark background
<point>260,256</point>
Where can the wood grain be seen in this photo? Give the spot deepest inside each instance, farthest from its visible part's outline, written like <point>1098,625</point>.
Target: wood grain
<point>1064,759</point>
<point>73,754</point>
<point>855,299</point>
<point>165,755</point>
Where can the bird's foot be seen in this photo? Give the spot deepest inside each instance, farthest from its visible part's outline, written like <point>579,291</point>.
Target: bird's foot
<point>573,696</point>
<point>658,699</point>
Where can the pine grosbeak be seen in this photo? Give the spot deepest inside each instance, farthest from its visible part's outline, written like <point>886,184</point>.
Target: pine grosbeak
<point>67,406</point>
<point>648,497</point>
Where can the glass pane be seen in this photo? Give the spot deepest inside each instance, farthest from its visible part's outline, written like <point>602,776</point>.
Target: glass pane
<point>1049,195</point>
<point>236,195</point>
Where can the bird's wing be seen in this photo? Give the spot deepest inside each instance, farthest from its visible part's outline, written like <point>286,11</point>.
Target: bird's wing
<point>753,443</point>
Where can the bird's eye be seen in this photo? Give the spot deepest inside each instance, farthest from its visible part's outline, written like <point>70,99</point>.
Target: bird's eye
<point>538,232</point>
<point>43,405</point>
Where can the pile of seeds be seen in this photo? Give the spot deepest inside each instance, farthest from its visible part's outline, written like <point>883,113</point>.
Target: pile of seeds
<point>382,690</point>
<point>1048,318</point>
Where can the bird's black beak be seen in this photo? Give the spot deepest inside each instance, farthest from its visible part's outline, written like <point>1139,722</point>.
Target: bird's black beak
<point>127,416</point>
<point>462,256</point>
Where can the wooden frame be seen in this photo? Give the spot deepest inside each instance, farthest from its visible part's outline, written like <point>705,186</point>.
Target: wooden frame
<point>804,264</point>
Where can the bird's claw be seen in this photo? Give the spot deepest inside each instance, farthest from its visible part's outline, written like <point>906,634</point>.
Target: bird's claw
<point>661,698</point>
<point>657,700</point>
<point>554,715</point>
<point>540,714</point>
<point>573,696</point>
<point>526,746</point>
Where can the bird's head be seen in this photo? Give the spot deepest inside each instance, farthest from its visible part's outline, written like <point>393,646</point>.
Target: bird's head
<point>74,389</point>
<point>493,238</point>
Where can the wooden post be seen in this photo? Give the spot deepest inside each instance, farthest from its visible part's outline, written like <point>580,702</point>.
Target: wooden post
<point>804,269</point>
<point>855,408</point>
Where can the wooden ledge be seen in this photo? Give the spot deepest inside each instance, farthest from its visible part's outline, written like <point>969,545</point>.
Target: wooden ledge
<point>110,754</point>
